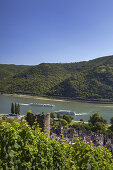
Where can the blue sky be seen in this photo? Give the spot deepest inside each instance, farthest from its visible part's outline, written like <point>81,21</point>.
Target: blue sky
<point>36,31</point>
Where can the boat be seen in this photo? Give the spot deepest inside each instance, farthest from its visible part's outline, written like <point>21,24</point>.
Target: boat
<point>41,105</point>
<point>66,112</point>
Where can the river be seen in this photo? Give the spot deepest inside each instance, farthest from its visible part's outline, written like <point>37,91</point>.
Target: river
<point>83,110</point>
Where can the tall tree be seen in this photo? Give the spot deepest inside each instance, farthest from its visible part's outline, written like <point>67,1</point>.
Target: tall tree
<point>12,108</point>
<point>29,117</point>
<point>16,109</point>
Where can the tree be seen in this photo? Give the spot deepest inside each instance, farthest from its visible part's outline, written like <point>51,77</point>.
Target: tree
<point>52,115</point>
<point>12,108</point>
<point>98,127</point>
<point>59,115</point>
<point>111,127</point>
<point>29,117</point>
<point>81,126</point>
<point>16,109</point>
<point>97,118</point>
<point>63,122</point>
<point>68,118</point>
<point>111,120</point>
<point>97,123</point>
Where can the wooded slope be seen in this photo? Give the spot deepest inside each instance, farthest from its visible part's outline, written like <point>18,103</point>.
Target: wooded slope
<point>91,80</point>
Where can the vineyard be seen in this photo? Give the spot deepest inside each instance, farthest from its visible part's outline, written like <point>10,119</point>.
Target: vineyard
<point>25,147</point>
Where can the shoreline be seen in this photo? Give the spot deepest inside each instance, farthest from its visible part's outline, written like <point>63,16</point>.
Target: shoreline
<point>59,100</point>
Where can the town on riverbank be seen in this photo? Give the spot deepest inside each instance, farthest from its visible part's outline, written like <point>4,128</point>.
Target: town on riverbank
<point>62,127</point>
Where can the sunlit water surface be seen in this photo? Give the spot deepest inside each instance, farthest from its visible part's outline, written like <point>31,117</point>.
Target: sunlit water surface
<point>83,110</point>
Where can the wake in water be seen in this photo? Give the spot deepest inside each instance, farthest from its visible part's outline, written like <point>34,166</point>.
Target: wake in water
<point>24,104</point>
<point>79,114</point>
<point>105,106</point>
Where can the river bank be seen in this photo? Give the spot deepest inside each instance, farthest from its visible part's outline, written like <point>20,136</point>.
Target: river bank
<point>58,99</point>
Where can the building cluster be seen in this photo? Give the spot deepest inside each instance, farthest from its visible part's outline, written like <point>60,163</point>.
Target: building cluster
<point>69,134</point>
<point>4,116</point>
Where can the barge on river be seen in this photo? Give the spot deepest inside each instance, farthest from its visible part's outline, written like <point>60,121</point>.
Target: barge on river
<point>41,105</point>
<point>66,112</point>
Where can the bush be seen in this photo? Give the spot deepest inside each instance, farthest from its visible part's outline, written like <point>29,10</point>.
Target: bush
<point>23,147</point>
<point>68,118</point>
<point>99,127</point>
<point>97,118</point>
<point>59,115</point>
<point>81,126</point>
<point>63,122</point>
<point>52,115</point>
<point>87,157</point>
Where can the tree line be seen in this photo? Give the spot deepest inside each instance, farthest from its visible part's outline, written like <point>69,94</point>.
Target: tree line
<point>96,123</point>
<point>81,81</point>
<point>15,109</point>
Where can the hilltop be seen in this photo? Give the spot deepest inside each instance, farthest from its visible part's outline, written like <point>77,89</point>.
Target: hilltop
<point>87,80</point>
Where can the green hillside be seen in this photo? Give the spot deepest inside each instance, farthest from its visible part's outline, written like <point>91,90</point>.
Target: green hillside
<point>93,84</point>
<point>4,74</point>
<point>13,69</point>
<point>38,80</point>
<point>91,80</point>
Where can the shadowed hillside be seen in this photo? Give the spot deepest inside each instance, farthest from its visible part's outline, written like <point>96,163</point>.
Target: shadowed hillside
<point>91,80</point>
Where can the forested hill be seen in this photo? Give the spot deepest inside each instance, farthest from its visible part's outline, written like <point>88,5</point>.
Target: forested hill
<point>14,68</point>
<point>87,80</point>
<point>7,70</point>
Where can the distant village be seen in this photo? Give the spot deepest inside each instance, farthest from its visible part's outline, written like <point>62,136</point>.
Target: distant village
<point>68,134</point>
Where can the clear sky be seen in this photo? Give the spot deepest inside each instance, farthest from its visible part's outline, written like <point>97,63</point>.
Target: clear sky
<point>36,31</point>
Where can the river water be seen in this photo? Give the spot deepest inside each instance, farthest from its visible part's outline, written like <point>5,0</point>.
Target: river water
<point>83,110</point>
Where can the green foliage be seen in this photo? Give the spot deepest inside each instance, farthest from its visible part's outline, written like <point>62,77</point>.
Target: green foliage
<point>29,117</point>
<point>4,74</point>
<point>111,120</point>
<point>58,123</point>
<point>111,127</point>
<point>12,108</point>
<point>68,118</point>
<point>97,118</point>
<point>18,109</point>
<point>81,126</point>
<point>63,122</point>
<point>59,115</point>
<point>23,147</point>
<point>54,122</point>
<point>96,123</point>
<point>92,80</point>
<point>52,115</point>
<point>13,69</point>
<point>85,156</point>
<point>15,108</point>
<point>99,127</point>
